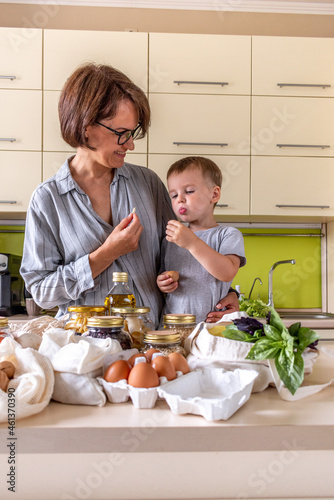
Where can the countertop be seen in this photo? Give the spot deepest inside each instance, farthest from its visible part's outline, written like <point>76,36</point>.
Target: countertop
<point>269,448</point>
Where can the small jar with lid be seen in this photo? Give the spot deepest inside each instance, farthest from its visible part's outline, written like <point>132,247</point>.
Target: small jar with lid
<point>77,317</point>
<point>4,328</point>
<point>182,323</point>
<point>103,327</point>
<point>136,321</point>
<point>166,341</point>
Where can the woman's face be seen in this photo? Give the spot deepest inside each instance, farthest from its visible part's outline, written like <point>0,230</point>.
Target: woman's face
<point>108,152</point>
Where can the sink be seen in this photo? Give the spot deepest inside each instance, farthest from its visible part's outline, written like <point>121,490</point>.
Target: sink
<point>306,315</point>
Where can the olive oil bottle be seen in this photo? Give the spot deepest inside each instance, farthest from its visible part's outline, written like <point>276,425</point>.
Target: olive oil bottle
<point>120,294</point>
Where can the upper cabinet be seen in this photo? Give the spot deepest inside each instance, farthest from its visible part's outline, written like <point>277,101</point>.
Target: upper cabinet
<point>292,66</point>
<point>65,50</point>
<point>21,58</point>
<point>199,64</point>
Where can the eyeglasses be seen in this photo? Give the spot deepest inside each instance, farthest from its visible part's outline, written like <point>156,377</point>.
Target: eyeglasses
<point>124,136</point>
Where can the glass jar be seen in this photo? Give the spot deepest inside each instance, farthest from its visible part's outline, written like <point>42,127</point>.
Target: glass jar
<point>4,328</point>
<point>182,323</point>
<point>103,327</point>
<point>136,321</point>
<point>120,294</point>
<point>163,340</point>
<point>77,317</point>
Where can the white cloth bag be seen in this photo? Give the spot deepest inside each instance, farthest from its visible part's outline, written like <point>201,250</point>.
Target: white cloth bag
<point>77,361</point>
<point>33,381</point>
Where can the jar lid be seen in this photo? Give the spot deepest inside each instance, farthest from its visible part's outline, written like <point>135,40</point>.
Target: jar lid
<point>162,337</point>
<point>120,276</point>
<point>105,321</point>
<point>130,310</point>
<point>86,309</point>
<point>3,321</point>
<point>174,319</point>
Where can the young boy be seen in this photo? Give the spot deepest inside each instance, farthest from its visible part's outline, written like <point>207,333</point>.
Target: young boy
<point>206,255</point>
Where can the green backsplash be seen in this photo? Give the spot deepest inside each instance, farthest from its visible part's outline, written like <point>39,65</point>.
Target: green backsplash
<point>10,240</point>
<point>294,286</point>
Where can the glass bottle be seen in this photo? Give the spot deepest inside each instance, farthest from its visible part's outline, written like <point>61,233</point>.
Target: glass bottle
<point>77,317</point>
<point>182,323</point>
<point>166,341</point>
<point>136,321</point>
<point>4,328</point>
<point>102,327</point>
<point>120,294</point>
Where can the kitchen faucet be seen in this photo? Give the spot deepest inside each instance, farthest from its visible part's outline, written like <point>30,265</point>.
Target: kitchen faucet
<point>270,282</point>
<point>250,293</point>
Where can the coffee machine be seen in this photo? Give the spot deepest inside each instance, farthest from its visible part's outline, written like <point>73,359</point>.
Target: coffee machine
<point>11,285</point>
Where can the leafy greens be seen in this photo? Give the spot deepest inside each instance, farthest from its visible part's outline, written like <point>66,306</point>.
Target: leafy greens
<point>254,307</point>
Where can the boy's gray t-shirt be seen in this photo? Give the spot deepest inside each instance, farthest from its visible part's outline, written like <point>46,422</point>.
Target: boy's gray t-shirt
<point>198,291</point>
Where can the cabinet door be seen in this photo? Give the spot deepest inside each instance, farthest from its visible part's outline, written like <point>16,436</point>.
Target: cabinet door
<point>199,124</point>
<point>203,64</point>
<point>235,189</point>
<point>65,50</point>
<point>21,58</point>
<point>20,175</point>
<point>293,66</point>
<point>52,140</point>
<point>21,120</point>
<point>292,126</point>
<point>292,186</point>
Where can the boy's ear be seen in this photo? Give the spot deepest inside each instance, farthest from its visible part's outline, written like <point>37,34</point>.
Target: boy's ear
<point>215,194</point>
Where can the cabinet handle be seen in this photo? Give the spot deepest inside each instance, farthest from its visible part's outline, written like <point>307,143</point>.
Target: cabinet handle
<point>221,205</point>
<point>221,144</point>
<point>7,139</point>
<point>322,146</point>
<point>302,206</point>
<point>5,77</point>
<point>12,202</point>
<point>321,85</point>
<point>180,82</point>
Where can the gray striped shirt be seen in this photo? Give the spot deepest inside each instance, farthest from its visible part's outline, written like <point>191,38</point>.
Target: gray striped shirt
<point>62,229</point>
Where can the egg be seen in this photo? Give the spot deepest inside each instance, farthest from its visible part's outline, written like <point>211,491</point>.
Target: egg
<point>149,353</point>
<point>118,370</point>
<point>143,375</point>
<point>131,360</point>
<point>164,367</point>
<point>179,362</point>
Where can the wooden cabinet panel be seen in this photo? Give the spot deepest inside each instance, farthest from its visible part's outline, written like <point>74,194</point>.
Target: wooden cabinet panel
<point>234,198</point>
<point>20,175</point>
<point>303,65</point>
<point>21,120</point>
<point>65,50</point>
<point>21,58</point>
<point>203,64</point>
<point>292,126</point>
<point>199,124</point>
<point>292,186</point>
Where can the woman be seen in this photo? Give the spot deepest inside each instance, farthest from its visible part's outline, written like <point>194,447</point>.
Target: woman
<point>80,227</point>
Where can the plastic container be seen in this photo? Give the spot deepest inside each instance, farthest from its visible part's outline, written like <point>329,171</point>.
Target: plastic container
<point>103,327</point>
<point>120,294</point>
<point>77,317</point>
<point>136,321</point>
<point>166,341</point>
<point>182,323</point>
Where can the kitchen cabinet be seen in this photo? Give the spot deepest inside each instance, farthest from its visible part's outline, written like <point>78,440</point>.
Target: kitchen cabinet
<point>199,64</point>
<point>292,187</point>
<point>292,66</point>
<point>235,190</point>
<point>20,175</point>
<point>21,58</point>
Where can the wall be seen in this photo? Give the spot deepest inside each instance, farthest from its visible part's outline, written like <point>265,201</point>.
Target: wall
<point>160,20</point>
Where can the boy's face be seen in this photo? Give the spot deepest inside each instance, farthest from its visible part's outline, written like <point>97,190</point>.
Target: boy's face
<point>192,195</point>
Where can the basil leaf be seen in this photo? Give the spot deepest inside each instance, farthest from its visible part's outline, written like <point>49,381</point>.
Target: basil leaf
<point>231,332</point>
<point>306,336</point>
<point>293,376</point>
<point>272,332</point>
<point>294,329</point>
<point>275,320</point>
<point>265,349</point>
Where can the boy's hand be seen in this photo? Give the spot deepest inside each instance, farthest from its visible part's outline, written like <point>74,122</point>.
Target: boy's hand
<point>179,234</point>
<point>166,284</point>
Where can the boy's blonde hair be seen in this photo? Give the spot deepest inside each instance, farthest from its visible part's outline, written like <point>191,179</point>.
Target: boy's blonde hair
<point>209,169</point>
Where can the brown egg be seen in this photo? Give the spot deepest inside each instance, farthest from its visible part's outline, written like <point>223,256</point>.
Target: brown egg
<point>173,274</point>
<point>164,367</point>
<point>149,353</point>
<point>118,370</point>
<point>143,375</point>
<point>131,360</point>
<point>180,363</point>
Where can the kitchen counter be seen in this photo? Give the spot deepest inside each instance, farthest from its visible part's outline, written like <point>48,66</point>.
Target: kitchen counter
<point>269,448</point>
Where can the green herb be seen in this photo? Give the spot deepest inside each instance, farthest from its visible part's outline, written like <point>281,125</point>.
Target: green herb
<point>254,307</point>
<point>285,345</point>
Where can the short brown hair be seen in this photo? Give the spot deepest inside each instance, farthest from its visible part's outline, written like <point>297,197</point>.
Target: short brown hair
<point>94,92</point>
<point>208,167</point>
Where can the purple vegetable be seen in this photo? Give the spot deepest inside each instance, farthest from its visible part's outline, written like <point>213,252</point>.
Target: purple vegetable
<point>248,325</point>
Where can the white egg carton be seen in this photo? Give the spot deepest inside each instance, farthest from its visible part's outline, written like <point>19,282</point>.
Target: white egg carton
<point>214,393</point>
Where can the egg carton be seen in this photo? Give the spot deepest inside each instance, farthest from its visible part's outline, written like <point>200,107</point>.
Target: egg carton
<point>214,393</point>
